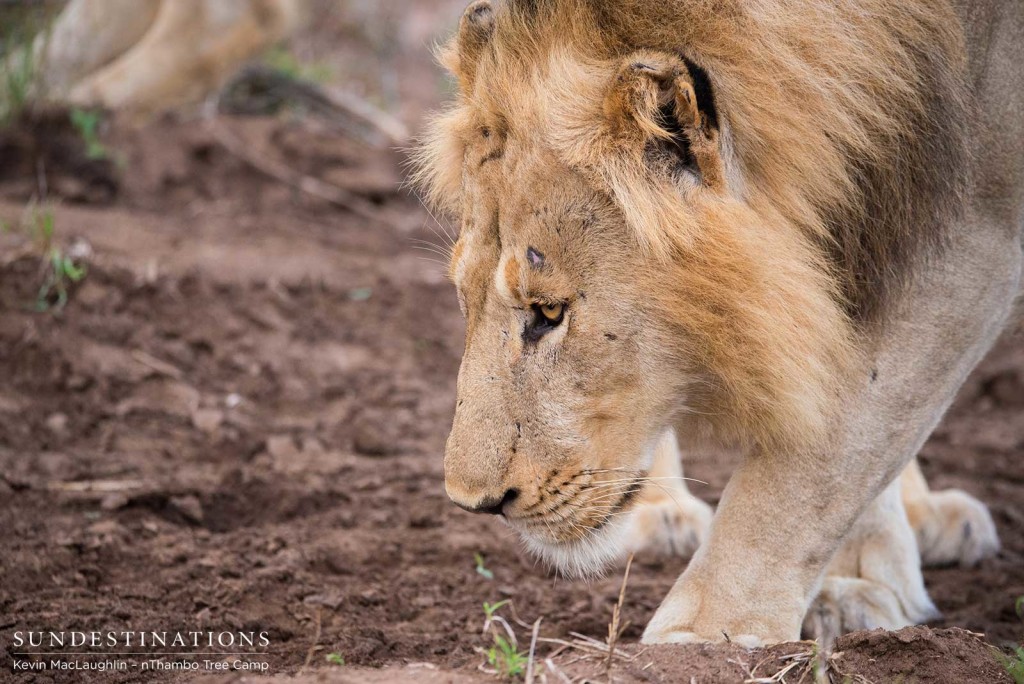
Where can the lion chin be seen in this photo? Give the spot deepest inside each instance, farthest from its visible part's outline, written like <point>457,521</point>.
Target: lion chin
<point>587,558</point>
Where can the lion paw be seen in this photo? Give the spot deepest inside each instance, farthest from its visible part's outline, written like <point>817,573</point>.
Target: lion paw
<point>670,527</point>
<point>954,528</point>
<point>847,604</point>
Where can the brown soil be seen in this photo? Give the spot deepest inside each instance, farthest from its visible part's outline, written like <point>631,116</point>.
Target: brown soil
<point>237,421</point>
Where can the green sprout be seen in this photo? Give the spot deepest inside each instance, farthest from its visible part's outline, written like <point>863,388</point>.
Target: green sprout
<point>87,124</point>
<point>60,269</point>
<point>506,659</point>
<point>63,270</point>
<point>491,608</point>
<point>284,62</point>
<point>360,294</point>
<point>481,569</point>
<point>335,659</point>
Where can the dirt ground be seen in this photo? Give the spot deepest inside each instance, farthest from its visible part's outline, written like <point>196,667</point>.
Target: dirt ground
<point>237,421</point>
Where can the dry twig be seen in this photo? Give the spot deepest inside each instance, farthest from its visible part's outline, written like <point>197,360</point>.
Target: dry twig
<point>533,651</point>
<point>96,486</point>
<point>155,364</point>
<point>614,629</point>
<point>313,646</point>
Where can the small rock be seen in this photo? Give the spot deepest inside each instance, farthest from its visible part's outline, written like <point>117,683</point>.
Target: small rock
<point>233,400</point>
<point>77,383</point>
<point>80,250</point>
<point>114,501</point>
<point>57,423</point>
<point>91,293</point>
<point>189,507</point>
<point>424,601</point>
<point>282,447</point>
<point>106,528</point>
<point>207,420</point>
<point>374,434</point>
<point>162,396</point>
<point>10,405</point>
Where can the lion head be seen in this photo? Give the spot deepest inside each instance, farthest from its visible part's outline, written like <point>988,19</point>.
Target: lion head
<point>644,237</point>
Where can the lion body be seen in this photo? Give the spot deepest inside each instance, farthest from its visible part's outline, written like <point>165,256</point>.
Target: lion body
<point>813,211</point>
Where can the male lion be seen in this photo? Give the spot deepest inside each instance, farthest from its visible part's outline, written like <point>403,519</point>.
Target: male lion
<point>758,222</point>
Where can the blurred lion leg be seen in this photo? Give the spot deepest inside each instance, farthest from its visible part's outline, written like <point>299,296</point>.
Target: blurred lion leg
<point>87,35</point>
<point>669,520</point>
<point>951,526</point>
<point>191,48</point>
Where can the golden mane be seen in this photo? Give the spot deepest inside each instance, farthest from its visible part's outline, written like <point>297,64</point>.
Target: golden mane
<point>848,118</point>
<point>847,157</point>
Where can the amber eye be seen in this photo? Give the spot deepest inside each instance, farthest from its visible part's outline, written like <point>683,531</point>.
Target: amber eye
<point>546,317</point>
<point>552,313</point>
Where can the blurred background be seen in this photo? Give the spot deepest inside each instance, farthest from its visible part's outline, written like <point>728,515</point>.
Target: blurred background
<point>228,349</point>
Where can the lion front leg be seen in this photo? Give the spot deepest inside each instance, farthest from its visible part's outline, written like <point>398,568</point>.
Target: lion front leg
<point>784,515</point>
<point>669,520</point>
<point>777,525</point>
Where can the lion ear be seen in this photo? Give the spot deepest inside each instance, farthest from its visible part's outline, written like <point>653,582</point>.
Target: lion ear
<point>462,53</point>
<point>661,98</point>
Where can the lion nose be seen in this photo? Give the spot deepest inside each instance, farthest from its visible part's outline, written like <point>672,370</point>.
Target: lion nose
<point>492,505</point>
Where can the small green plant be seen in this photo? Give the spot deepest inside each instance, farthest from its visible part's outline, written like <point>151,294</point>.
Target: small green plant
<point>491,608</point>
<point>1019,607</point>
<point>283,61</point>
<point>87,124</point>
<point>1013,663</point>
<point>504,655</point>
<point>360,294</point>
<point>481,569</point>
<point>335,659</point>
<point>63,271</point>
<point>506,658</point>
<point>60,269</point>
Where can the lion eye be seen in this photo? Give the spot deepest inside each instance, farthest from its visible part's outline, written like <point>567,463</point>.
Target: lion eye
<point>546,317</point>
<point>552,313</point>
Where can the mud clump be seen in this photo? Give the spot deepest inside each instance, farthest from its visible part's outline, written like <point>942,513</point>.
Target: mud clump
<point>918,654</point>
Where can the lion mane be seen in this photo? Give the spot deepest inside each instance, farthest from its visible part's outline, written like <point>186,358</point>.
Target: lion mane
<point>844,130</point>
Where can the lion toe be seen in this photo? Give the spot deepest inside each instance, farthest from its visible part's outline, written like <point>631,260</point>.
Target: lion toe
<point>847,604</point>
<point>957,529</point>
